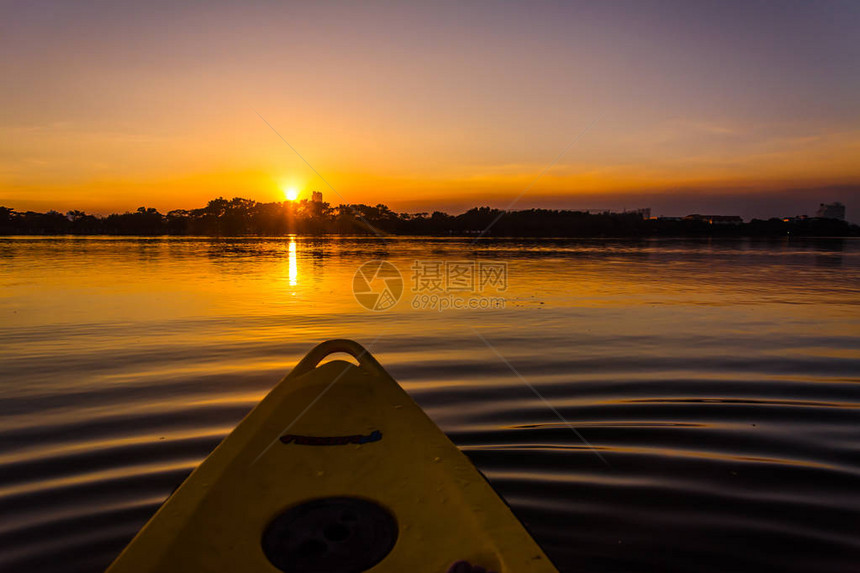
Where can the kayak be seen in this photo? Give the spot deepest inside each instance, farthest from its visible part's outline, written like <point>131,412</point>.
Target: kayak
<point>337,470</point>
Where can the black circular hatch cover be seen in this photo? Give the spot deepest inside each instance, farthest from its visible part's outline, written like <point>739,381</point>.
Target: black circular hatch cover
<point>330,535</point>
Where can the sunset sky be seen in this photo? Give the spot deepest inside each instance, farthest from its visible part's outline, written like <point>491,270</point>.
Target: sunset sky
<point>749,108</point>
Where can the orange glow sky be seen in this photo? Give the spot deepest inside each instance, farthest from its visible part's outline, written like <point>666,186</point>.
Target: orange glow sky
<point>109,106</point>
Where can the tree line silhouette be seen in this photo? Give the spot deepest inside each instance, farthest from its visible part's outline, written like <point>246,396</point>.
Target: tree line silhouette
<point>238,216</point>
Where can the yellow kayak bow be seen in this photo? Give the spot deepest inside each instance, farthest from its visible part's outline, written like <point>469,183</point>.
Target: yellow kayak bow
<point>337,470</point>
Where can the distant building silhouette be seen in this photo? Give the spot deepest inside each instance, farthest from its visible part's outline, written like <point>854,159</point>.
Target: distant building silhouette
<point>831,211</point>
<point>716,219</point>
<point>645,212</point>
<point>316,197</point>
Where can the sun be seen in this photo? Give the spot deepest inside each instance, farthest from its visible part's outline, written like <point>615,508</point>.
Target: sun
<point>291,194</point>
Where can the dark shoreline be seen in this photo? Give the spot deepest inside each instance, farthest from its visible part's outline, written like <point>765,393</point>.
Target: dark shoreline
<point>243,217</point>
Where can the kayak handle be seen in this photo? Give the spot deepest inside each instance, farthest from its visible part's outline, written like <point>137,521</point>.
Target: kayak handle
<point>351,347</point>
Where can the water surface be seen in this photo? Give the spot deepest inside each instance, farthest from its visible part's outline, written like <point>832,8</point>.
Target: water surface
<point>714,386</point>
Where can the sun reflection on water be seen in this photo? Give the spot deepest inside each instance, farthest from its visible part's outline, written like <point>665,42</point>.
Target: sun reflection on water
<point>294,268</point>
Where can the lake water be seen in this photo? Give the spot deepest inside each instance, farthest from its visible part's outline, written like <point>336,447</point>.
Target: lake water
<point>714,386</point>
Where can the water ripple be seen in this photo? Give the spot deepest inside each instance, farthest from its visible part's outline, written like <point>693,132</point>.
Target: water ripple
<point>719,381</point>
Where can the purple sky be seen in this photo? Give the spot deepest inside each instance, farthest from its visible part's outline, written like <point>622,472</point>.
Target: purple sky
<point>739,107</point>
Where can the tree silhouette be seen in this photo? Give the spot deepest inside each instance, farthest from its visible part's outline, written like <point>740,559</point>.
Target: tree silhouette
<point>239,216</point>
